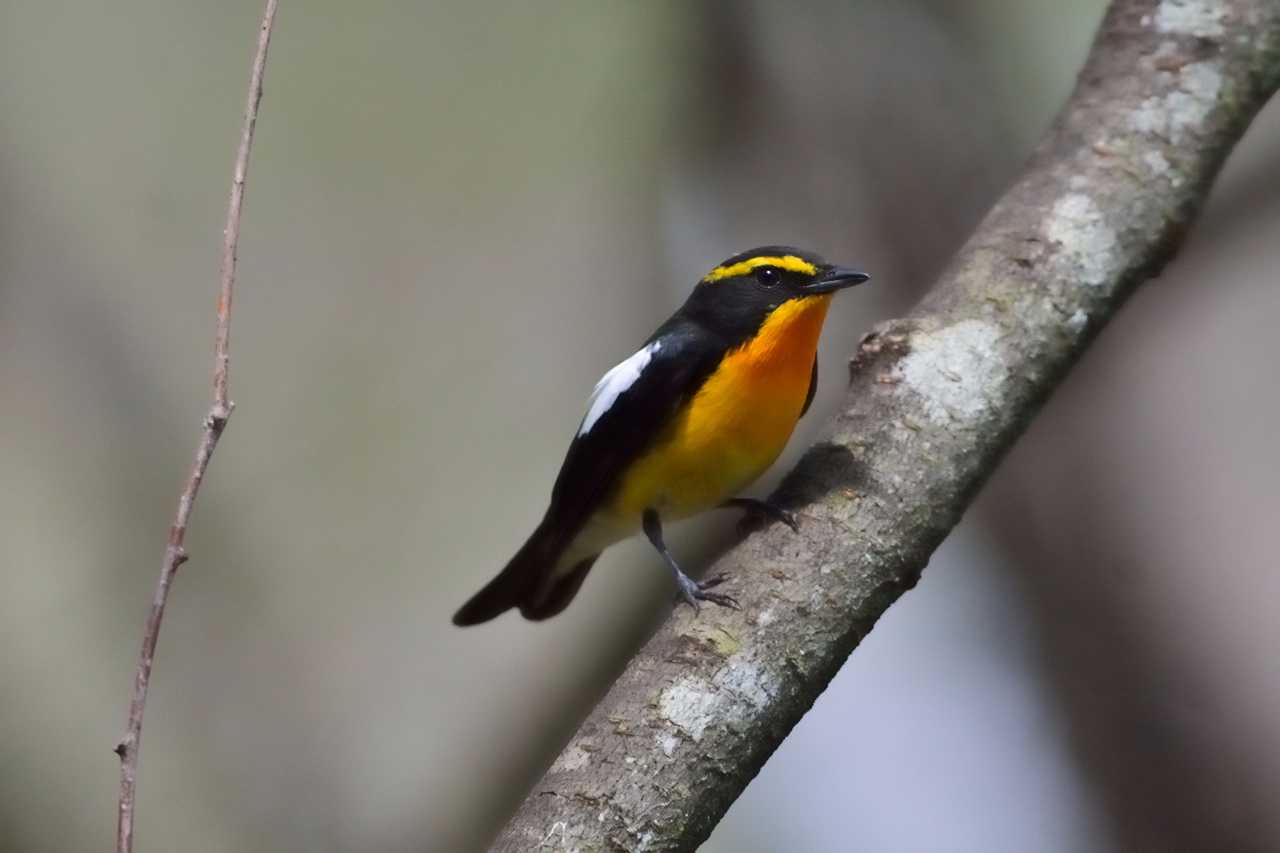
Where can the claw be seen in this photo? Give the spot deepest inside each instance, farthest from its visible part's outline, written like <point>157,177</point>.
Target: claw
<point>691,592</point>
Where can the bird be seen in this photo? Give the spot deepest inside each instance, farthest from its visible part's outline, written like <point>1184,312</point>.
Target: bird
<point>681,426</point>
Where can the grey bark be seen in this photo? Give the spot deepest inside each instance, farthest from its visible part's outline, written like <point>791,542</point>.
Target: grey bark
<point>935,399</point>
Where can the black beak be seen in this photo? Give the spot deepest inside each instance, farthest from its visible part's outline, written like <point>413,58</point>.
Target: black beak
<point>836,278</point>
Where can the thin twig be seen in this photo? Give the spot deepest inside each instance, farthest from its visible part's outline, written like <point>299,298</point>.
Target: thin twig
<point>214,423</point>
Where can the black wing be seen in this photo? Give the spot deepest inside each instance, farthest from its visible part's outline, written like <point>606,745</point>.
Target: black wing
<point>684,357</point>
<point>813,387</point>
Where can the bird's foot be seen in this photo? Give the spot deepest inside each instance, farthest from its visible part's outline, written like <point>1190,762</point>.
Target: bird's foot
<point>691,592</point>
<point>757,509</point>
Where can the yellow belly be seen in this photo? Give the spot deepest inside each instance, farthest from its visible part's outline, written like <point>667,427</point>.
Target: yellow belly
<point>734,427</point>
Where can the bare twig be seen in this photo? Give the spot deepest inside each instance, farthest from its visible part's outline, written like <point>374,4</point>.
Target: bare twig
<point>214,423</point>
<point>935,400</point>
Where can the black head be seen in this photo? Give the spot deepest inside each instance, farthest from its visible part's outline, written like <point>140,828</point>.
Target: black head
<point>738,294</point>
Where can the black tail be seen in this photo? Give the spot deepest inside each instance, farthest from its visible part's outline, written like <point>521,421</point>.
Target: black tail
<point>527,583</point>
<point>547,603</point>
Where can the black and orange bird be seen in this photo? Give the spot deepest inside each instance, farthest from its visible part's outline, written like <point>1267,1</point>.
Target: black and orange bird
<point>682,426</point>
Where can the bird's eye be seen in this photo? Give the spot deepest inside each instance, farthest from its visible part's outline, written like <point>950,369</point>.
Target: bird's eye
<point>768,276</point>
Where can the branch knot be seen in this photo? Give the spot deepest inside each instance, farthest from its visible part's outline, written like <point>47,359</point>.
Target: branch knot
<point>218,416</point>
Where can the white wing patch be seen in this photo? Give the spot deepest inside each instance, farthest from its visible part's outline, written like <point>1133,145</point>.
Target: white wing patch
<point>613,383</point>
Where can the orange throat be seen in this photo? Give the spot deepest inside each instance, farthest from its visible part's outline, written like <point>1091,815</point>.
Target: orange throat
<point>788,340</point>
<point>736,425</point>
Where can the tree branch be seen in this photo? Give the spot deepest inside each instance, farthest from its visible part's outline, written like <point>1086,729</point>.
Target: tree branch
<point>214,423</point>
<point>935,399</point>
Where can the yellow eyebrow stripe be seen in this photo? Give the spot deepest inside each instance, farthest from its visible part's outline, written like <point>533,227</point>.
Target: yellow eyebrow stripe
<point>783,262</point>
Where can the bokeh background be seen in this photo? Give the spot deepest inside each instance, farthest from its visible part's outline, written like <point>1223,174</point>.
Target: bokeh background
<point>458,216</point>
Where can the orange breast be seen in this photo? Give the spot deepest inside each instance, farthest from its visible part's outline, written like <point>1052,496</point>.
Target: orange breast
<point>735,426</point>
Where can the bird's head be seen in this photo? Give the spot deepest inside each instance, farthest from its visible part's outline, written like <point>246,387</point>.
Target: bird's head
<point>739,294</point>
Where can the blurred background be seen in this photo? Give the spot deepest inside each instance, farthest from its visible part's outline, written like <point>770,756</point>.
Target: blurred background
<point>458,216</point>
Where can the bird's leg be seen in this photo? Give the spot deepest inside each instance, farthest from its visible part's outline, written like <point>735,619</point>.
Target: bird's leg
<point>691,591</point>
<point>757,507</point>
